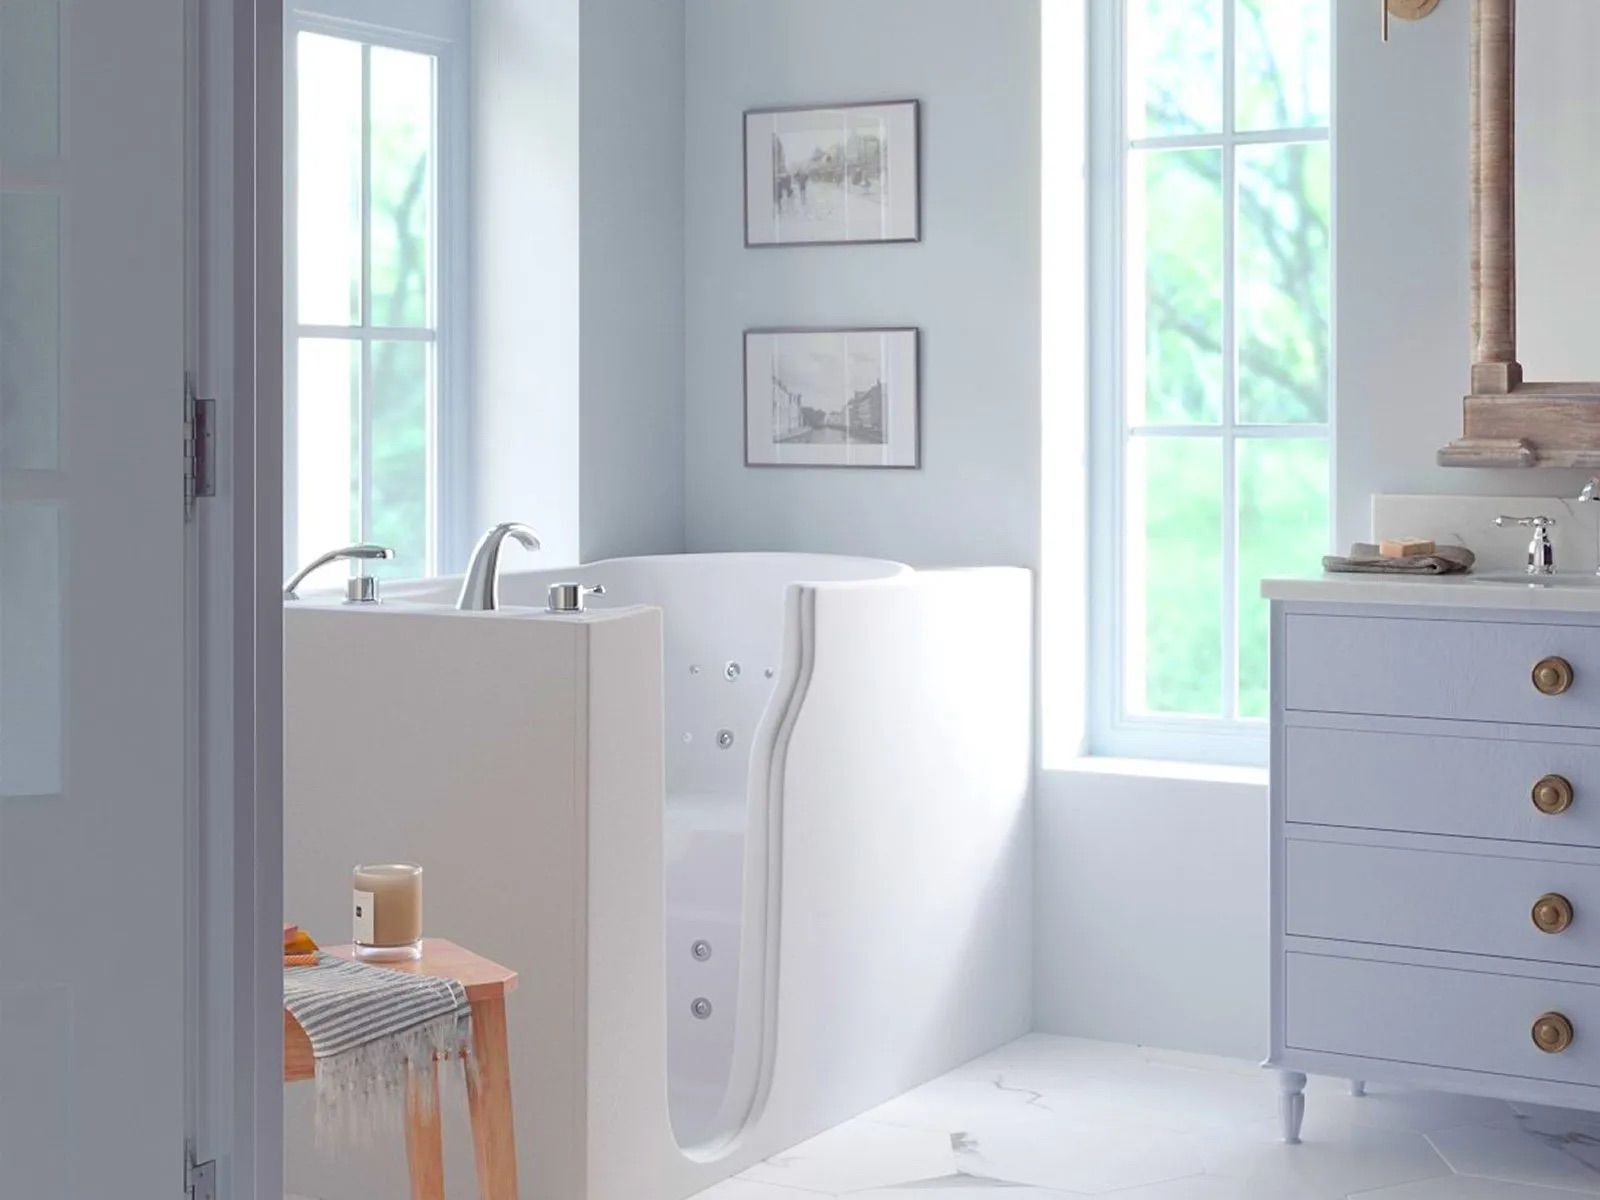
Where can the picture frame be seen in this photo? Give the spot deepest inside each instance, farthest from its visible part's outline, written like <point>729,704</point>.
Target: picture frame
<point>833,397</point>
<point>833,175</point>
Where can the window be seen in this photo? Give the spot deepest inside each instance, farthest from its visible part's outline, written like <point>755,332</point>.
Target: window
<point>373,284</point>
<point>1211,206</point>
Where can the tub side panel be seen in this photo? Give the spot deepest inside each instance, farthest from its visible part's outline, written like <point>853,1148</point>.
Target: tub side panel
<point>452,742</point>
<point>629,1140</point>
<point>907,859</point>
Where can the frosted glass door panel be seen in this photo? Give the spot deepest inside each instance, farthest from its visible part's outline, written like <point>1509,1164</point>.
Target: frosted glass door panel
<point>30,329</point>
<point>30,79</point>
<point>35,1114</point>
<point>30,650</point>
<point>94,573</point>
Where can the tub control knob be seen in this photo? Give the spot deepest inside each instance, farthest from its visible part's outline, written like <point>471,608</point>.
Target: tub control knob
<point>569,597</point>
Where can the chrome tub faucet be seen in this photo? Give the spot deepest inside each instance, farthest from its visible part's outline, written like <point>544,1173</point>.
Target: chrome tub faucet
<point>480,590</point>
<point>361,589</point>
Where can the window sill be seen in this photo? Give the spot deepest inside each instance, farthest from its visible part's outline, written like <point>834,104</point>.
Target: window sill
<point>1159,769</point>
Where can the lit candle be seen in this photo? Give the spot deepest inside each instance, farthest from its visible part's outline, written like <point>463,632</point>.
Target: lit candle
<point>388,911</point>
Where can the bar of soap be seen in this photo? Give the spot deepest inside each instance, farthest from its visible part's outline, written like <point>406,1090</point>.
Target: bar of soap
<point>1404,547</point>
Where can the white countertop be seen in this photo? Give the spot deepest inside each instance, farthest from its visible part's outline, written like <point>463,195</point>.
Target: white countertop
<point>1445,591</point>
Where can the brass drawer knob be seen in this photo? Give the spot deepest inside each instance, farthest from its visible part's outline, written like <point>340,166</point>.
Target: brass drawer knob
<point>1552,794</point>
<point>1552,913</point>
<point>1552,675</point>
<point>1552,1033</point>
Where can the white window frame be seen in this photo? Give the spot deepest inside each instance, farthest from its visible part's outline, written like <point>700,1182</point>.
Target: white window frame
<point>1112,730</point>
<point>439,28</point>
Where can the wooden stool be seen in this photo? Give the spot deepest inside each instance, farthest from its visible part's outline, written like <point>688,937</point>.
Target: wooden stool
<point>488,1087</point>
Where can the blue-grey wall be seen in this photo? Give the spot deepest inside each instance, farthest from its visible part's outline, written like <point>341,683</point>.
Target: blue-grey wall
<point>631,212</point>
<point>971,285</point>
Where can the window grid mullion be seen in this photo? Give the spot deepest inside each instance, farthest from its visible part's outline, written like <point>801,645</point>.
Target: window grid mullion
<point>433,372</point>
<point>1117,668</point>
<point>364,392</point>
<point>376,333</point>
<point>1210,141</point>
<point>1238,429</point>
<point>1230,371</point>
<point>291,290</point>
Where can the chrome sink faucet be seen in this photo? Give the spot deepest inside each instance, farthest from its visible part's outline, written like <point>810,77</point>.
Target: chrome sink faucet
<point>480,590</point>
<point>1591,493</point>
<point>1541,552</point>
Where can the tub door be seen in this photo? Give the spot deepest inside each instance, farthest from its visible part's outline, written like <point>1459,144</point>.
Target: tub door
<point>92,578</point>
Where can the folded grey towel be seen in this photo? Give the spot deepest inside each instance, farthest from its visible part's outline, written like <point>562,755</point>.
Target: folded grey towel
<point>1363,556</point>
<point>369,1028</point>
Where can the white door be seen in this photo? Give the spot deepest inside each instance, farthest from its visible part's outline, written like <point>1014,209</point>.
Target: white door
<point>92,562</point>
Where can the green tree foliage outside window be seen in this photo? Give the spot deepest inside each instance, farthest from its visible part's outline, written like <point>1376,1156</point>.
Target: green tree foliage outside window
<point>1177,203</point>
<point>402,372</point>
<point>367,206</point>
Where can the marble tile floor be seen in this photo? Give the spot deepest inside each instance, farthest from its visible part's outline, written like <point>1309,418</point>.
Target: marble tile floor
<point>1049,1118</point>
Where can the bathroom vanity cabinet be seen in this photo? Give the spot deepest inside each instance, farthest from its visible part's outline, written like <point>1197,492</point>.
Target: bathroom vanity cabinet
<point>1435,824</point>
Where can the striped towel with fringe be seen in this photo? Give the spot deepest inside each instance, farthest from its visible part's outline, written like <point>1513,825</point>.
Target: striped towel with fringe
<point>369,1028</point>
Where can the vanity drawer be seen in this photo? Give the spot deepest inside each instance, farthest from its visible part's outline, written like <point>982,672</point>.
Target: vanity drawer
<point>1461,670</point>
<point>1439,1017</point>
<point>1426,783</point>
<point>1435,900</point>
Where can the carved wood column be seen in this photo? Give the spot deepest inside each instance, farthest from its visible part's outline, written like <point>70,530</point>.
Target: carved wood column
<point>1495,369</point>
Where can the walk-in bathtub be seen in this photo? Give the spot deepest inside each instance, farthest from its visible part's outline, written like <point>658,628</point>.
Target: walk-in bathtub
<point>804,809</point>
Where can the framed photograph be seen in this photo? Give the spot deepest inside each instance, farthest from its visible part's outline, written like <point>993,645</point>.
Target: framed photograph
<point>831,398</point>
<point>832,176</point>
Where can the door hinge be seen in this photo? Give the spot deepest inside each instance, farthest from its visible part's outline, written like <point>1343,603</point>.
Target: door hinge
<point>200,1177</point>
<point>199,446</point>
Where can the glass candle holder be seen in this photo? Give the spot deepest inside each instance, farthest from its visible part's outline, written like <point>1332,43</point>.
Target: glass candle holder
<point>387,911</point>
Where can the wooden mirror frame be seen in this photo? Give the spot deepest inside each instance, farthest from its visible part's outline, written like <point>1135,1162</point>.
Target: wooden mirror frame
<point>1508,422</point>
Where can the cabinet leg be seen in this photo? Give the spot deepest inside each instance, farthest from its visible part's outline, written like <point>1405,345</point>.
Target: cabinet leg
<point>1291,1104</point>
<point>1358,1087</point>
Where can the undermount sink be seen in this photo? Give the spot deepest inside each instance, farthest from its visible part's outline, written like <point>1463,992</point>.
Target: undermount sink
<point>1573,579</point>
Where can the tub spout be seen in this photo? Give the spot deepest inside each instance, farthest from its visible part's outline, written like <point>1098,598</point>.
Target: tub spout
<point>480,590</point>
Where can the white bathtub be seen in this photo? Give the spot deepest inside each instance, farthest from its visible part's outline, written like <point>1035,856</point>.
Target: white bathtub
<point>840,903</point>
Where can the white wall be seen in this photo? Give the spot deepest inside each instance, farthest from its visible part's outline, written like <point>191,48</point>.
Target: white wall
<point>578,273</point>
<point>526,271</point>
<point>1151,918</point>
<point>971,285</point>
